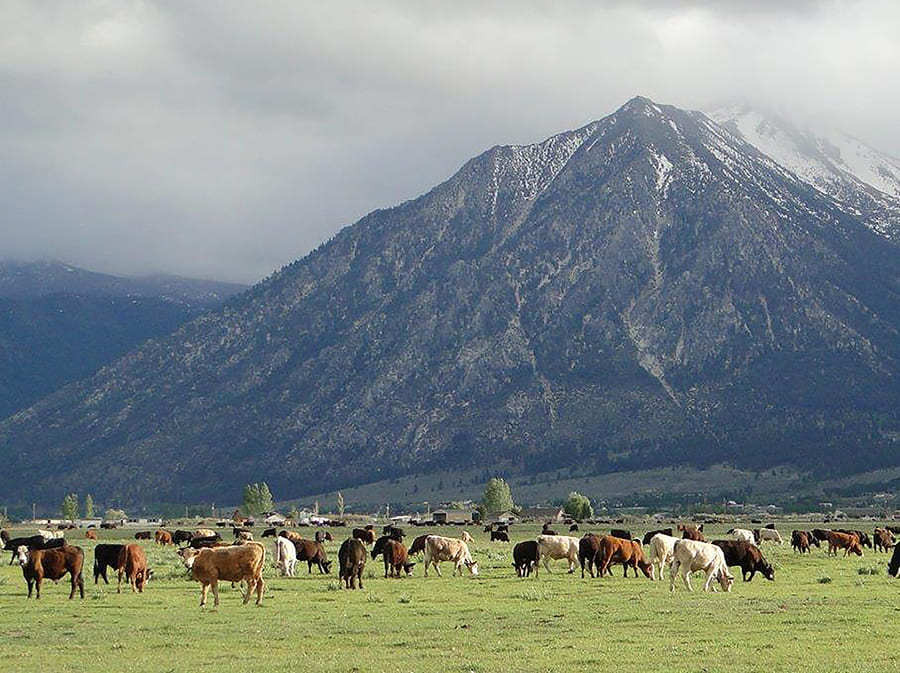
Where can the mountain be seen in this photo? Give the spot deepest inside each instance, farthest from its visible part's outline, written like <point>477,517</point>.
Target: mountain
<point>647,290</point>
<point>862,179</point>
<point>60,323</point>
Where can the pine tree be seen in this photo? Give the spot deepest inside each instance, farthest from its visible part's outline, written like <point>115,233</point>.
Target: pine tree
<point>70,507</point>
<point>88,506</point>
<point>340,505</point>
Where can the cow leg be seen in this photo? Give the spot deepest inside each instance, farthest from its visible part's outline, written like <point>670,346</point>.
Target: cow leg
<point>81,584</point>
<point>119,583</point>
<point>215,589</point>
<point>709,578</point>
<point>359,575</point>
<point>547,563</point>
<point>686,578</point>
<point>260,586</point>
<point>30,587</point>
<point>37,587</point>
<point>673,575</point>
<point>437,569</point>
<point>386,566</point>
<point>204,589</point>
<point>74,585</point>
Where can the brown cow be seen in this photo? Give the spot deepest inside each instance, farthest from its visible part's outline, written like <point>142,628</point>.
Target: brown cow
<point>242,563</point>
<point>690,532</point>
<point>52,564</point>
<point>627,552</point>
<point>133,566</point>
<point>588,546</point>
<point>847,542</point>
<point>800,541</point>
<point>291,535</point>
<point>312,552</point>
<point>364,535</point>
<point>395,556</point>
<point>418,545</point>
<point>142,535</point>
<point>163,537</point>
<point>91,535</point>
<point>883,539</point>
<point>352,560</point>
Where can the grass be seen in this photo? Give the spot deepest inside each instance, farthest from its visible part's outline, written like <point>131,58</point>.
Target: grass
<point>492,622</point>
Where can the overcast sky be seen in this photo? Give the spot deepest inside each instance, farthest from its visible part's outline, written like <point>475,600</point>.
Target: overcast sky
<point>225,139</point>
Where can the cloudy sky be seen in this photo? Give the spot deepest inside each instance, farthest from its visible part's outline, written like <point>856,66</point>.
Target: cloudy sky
<point>225,139</point>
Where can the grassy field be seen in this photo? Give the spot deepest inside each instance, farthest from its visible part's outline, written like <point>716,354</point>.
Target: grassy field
<point>821,614</point>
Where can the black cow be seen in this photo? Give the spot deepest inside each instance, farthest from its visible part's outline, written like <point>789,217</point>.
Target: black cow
<point>525,558</point>
<point>747,556</point>
<point>180,536</point>
<point>546,530</point>
<point>573,528</point>
<point>203,542</point>
<point>32,542</point>
<point>106,556</point>
<point>894,563</point>
<point>352,561</point>
<point>820,534</point>
<point>588,546</point>
<point>649,536</point>
<point>499,536</point>
<point>269,532</point>
<point>393,532</point>
<point>621,533</point>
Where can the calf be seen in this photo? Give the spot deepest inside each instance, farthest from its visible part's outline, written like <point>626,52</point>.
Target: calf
<point>269,532</point>
<point>746,555</point>
<point>313,553</point>
<point>418,545</point>
<point>285,556</point>
<point>352,562</point>
<point>649,536</point>
<point>323,536</point>
<point>662,552</point>
<point>558,547</point>
<point>849,543</point>
<point>588,546</point>
<point>180,536</point>
<point>884,540</point>
<point>499,536</point>
<point>243,563</point>
<point>612,549</point>
<point>395,556</point>
<point>770,535</point>
<point>53,564</point>
<point>621,533</point>
<point>692,556</point>
<point>106,556</point>
<point>365,535</point>
<point>142,535</point>
<point>133,566</point>
<point>90,535</point>
<point>800,541</point>
<point>163,537</point>
<point>526,558</point>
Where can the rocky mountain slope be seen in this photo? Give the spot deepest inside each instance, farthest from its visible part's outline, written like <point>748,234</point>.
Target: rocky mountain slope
<point>647,290</point>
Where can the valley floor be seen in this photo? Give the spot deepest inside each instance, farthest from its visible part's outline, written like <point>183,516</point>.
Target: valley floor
<point>492,622</point>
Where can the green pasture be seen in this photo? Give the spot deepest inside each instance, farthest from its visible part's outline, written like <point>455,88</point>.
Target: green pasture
<point>821,614</point>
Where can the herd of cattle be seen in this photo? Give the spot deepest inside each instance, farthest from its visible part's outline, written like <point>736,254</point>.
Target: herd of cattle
<point>210,560</point>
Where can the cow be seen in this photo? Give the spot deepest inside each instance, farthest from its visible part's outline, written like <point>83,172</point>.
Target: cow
<point>629,553</point>
<point>90,535</point>
<point>108,525</point>
<point>142,535</point>
<point>163,537</point>
<point>352,562</point>
<point>364,535</point>
<point>52,534</point>
<point>800,541</point>
<point>573,528</point>
<point>243,563</point>
<point>649,536</point>
<point>466,537</point>
<point>244,536</point>
<point>558,547</point>
<point>621,533</point>
<point>269,532</point>
<point>180,536</point>
<point>393,532</point>
<point>395,556</point>
<point>206,542</point>
<point>746,555</point>
<point>770,535</point>
<point>863,538</point>
<point>689,532</point>
<point>526,558</point>
<point>313,553</point>
<point>133,566</point>
<point>695,555</point>
<point>207,532</point>
<point>588,546</point>
<point>546,530</point>
<point>285,556</point>
<point>106,556</point>
<point>846,541</point>
<point>236,531</point>
<point>291,535</point>
<point>417,546</point>
<point>894,563</point>
<point>884,539</point>
<point>52,564</point>
<point>31,542</point>
<point>323,536</point>
<point>743,535</point>
<point>662,551</point>
<point>813,540</point>
<point>894,529</point>
<point>499,536</point>
<point>439,549</point>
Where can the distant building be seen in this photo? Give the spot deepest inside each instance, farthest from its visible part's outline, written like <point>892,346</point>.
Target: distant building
<point>453,516</point>
<point>543,513</point>
<point>275,519</point>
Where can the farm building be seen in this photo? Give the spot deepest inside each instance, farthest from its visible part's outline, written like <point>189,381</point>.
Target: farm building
<point>543,513</point>
<point>454,516</point>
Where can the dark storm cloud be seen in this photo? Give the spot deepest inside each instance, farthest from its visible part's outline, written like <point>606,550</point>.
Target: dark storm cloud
<point>227,138</point>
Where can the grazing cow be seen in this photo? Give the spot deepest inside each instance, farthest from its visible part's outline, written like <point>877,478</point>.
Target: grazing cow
<point>206,542</point>
<point>662,552</point>
<point>180,536</point>
<point>395,556</point>
<point>746,555</point>
<point>588,546</point>
<point>291,535</point>
<point>884,540</point>
<point>743,535</point>
<point>573,528</point>
<point>244,536</point>
<point>142,535</point>
<point>692,556</point>
<point>621,533</point>
<point>813,540</point>
<point>418,545</point>
<point>894,529</point>
<point>846,541</point>
<point>689,532</point>
<point>393,532</point>
<point>106,556</point>
<point>91,535</point>
<point>770,535</point>
<point>894,563</point>
<point>108,525</point>
<point>133,566</point>
<point>323,536</point>
<point>800,541</point>
<point>285,556</point>
<point>236,531</point>
<point>163,537</point>
<point>649,536</point>
<point>365,535</point>
<point>439,549</point>
<point>558,547</point>
<point>820,534</point>
<point>546,530</point>
<point>466,537</point>
<point>863,538</point>
<point>207,532</point>
<point>270,532</point>
<point>313,553</point>
<point>499,536</point>
<point>526,558</point>
<point>52,564</point>
<point>31,542</point>
<point>352,562</point>
<point>243,563</point>
<point>612,549</point>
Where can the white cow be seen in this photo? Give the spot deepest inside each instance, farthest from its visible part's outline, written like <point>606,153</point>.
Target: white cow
<point>662,551</point>
<point>465,537</point>
<point>744,535</point>
<point>439,549</point>
<point>558,547</point>
<point>285,556</point>
<point>693,556</point>
<point>50,534</point>
<point>770,535</point>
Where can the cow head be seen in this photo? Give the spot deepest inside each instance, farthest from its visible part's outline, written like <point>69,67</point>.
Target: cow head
<point>855,548</point>
<point>22,555</point>
<point>766,569</point>
<point>646,568</point>
<point>188,556</point>
<point>326,565</point>
<point>726,579</point>
<point>472,566</point>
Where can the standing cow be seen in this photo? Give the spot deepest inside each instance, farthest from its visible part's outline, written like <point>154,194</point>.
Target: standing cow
<point>352,560</point>
<point>53,564</point>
